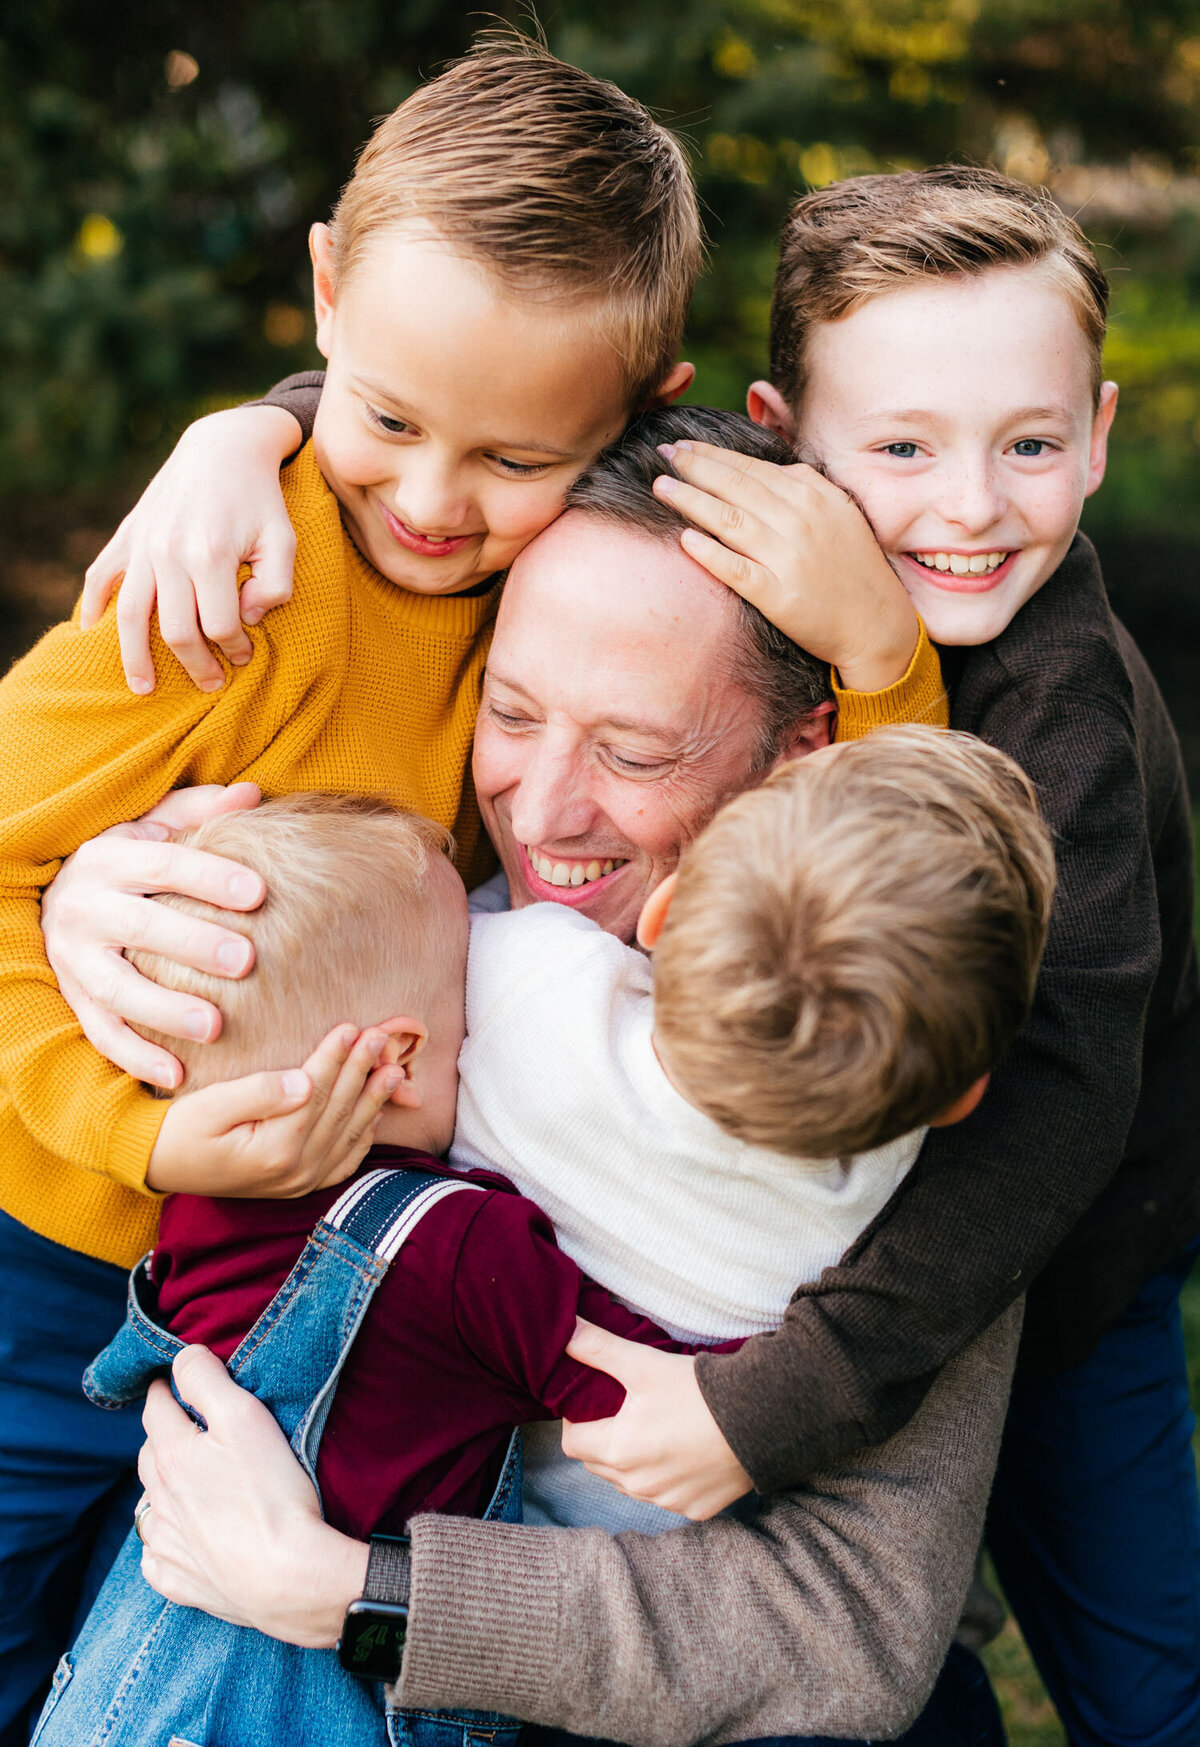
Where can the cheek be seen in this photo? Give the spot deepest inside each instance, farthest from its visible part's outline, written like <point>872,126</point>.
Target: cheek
<point>515,514</point>
<point>495,764</point>
<point>1051,505</point>
<point>349,454</point>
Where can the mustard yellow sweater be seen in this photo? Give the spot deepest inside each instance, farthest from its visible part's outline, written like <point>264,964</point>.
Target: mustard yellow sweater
<point>355,686</point>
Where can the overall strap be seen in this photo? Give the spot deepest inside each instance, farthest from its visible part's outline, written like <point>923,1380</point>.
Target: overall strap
<point>380,1210</point>
<point>293,1356</point>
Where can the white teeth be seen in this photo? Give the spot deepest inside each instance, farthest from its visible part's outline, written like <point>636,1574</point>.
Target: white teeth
<point>568,873</point>
<point>961,563</point>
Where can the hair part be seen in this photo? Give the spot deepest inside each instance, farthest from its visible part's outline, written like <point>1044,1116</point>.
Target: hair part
<point>786,680</point>
<point>854,943</point>
<point>556,182</point>
<point>353,929</point>
<point>847,244</point>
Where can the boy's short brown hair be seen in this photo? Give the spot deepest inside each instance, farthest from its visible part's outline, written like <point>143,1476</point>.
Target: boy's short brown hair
<point>555,181</point>
<point>353,929</point>
<point>852,945</point>
<point>854,241</point>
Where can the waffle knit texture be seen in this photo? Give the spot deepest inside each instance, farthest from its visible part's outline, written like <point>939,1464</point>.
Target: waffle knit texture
<point>355,686</point>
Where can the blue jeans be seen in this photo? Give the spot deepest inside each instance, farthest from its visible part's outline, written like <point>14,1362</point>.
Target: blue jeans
<point>962,1712</point>
<point>1095,1530</point>
<point>67,1477</point>
<point>144,1670</point>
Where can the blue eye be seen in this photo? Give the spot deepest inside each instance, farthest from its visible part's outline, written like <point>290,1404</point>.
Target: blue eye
<point>1029,448</point>
<point>902,451</point>
<point>392,427</point>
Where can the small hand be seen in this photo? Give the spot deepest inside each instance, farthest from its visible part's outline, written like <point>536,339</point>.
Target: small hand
<point>96,907</point>
<point>213,505</point>
<point>234,1526</point>
<point>279,1135</point>
<point>799,549</point>
<point>664,1445</point>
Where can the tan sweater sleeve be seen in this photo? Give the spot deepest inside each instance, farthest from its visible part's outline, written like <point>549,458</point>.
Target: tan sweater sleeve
<point>830,1613</point>
<point>79,752</point>
<point>918,696</point>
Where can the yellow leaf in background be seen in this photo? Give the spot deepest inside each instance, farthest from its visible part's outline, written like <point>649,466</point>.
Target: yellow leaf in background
<point>98,238</point>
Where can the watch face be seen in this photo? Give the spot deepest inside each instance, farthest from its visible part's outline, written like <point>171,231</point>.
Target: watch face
<point>372,1640</point>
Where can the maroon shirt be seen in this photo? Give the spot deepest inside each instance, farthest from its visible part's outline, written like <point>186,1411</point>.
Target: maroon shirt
<point>463,1339</point>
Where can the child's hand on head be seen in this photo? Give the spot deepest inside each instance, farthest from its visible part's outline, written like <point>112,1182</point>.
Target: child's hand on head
<point>799,549</point>
<point>664,1445</point>
<point>279,1135</point>
<point>214,505</point>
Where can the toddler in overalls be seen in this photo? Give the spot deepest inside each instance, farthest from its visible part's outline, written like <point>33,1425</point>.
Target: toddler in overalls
<point>398,1324</point>
<point>694,1136</point>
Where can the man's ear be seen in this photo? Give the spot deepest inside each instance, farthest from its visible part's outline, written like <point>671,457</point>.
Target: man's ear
<point>767,407</point>
<point>677,381</point>
<point>654,913</point>
<point>1106,411</point>
<point>320,249</point>
<point>405,1040</point>
<point>962,1107</point>
<point>810,733</point>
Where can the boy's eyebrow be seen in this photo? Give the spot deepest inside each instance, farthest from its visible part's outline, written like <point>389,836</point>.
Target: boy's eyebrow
<point>624,724</point>
<point>925,415</point>
<point>380,391</point>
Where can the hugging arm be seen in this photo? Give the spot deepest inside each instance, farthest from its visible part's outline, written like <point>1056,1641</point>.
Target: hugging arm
<point>213,506</point>
<point>858,1349</point>
<point>828,1613</point>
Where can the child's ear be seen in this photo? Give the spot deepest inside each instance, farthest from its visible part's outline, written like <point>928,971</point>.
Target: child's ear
<point>1106,411</point>
<point>320,249</point>
<point>677,381</point>
<point>768,408</point>
<point>405,1041</point>
<point>654,913</point>
<point>962,1107</point>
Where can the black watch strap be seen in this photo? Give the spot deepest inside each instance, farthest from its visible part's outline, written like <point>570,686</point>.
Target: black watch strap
<point>389,1569</point>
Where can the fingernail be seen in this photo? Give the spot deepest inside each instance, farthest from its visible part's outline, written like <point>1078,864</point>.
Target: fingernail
<point>665,486</point>
<point>295,1083</point>
<point>667,449</point>
<point>197,1025</point>
<point>394,1079</point>
<point>240,659</point>
<point>233,955</point>
<point>141,686</point>
<point>156,833</point>
<point>243,888</point>
<point>212,685</point>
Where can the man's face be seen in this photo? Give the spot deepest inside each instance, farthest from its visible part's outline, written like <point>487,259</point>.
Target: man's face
<point>609,731</point>
<point>452,420</point>
<point>960,413</point>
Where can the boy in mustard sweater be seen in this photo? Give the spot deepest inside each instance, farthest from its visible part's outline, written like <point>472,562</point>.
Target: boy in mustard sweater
<point>504,281</point>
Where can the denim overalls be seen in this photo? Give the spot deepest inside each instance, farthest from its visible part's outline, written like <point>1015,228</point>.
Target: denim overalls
<point>145,1672</point>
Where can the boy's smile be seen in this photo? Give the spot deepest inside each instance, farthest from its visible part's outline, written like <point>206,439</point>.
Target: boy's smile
<point>454,415</point>
<point>960,413</point>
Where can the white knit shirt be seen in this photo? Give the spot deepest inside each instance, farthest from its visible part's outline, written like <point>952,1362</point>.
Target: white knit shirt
<point>561,1091</point>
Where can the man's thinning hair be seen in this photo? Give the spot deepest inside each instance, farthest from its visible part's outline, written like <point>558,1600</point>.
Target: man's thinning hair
<point>618,488</point>
<point>351,930</point>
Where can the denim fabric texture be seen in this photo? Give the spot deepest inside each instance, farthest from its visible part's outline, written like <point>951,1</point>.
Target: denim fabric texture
<point>146,1670</point>
<point>1094,1526</point>
<point>67,1478</point>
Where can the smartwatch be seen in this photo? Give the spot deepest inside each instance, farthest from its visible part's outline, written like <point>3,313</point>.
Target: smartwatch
<point>373,1632</point>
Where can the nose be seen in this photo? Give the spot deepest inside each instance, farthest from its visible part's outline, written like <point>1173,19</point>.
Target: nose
<point>972,499</point>
<point>551,804</point>
<point>429,495</point>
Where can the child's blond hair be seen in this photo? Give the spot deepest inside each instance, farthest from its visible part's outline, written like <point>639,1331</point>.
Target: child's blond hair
<point>352,930</point>
<point>854,943</point>
<point>856,240</point>
<point>556,182</point>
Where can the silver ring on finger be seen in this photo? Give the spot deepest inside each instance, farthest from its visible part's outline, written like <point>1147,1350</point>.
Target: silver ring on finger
<point>139,1517</point>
